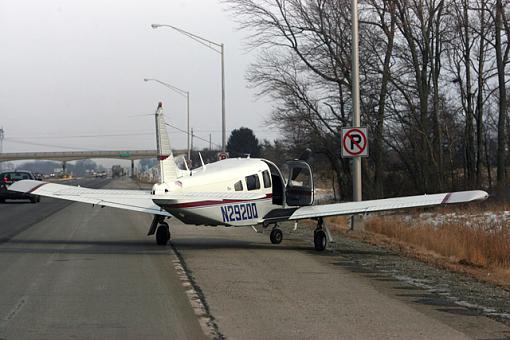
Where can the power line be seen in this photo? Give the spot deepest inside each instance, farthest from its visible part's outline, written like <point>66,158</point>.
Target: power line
<point>194,136</point>
<point>230,130</point>
<point>22,140</point>
<point>127,134</point>
<point>41,144</point>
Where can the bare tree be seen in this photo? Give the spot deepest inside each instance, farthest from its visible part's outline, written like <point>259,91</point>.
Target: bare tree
<point>433,72</point>
<point>384,18</point>
<point>501,61</point>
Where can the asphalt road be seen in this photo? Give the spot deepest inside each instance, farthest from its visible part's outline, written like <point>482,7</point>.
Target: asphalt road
<point>19,215</point>
<point>256,290</point>
<point>73,271</point>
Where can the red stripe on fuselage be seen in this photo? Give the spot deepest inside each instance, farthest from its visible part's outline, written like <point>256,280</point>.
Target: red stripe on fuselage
<point>203,204</point>
<point>162,157</point>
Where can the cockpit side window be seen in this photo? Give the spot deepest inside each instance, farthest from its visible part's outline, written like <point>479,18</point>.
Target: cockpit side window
<point>266,178</point>
<point>253,182</point>
<point>238,186</point>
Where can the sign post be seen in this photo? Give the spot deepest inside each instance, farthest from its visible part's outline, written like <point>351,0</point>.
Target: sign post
<point>355,146</point>
<point>222,155</point>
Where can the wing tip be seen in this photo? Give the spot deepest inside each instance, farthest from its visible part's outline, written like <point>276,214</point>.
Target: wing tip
<point>26,186</point>
<point>465,196</point>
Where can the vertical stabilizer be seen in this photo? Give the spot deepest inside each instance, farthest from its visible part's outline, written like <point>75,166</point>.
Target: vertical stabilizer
<point>167,168</point>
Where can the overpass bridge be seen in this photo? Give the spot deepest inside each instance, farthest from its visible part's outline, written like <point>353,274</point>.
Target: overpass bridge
<point>67,156</point>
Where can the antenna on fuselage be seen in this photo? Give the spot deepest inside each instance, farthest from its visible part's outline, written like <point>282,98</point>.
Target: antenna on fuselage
<point>202,161</point>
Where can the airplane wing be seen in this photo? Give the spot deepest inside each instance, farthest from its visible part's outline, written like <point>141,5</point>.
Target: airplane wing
<point>364,207</point>
<point>136,200</point>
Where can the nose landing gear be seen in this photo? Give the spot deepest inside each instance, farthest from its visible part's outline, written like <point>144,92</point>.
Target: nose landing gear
<point>161,229</point>
<point>162,234</point>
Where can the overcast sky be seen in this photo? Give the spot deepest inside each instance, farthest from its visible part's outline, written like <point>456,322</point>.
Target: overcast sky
<point>73,68</point>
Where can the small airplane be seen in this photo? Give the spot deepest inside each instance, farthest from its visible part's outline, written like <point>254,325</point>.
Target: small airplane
<point>232,192</point>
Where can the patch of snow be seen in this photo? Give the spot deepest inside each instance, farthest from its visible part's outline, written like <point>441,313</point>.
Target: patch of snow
<point>426,285</point>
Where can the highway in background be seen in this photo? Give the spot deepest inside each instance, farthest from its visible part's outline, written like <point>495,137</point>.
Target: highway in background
<point>69,270</point>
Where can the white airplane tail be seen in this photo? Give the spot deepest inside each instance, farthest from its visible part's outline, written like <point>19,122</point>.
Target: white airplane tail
<point>167,167</point>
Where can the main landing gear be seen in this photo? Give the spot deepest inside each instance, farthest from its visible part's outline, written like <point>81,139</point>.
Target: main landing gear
<point>161,229</point>
<point>320,235</point>
<point>276,235</point>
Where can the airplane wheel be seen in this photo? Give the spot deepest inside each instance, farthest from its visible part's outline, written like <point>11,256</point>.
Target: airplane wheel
<point>162,234</point>
<point>276,236</point>
<point>319,239</point>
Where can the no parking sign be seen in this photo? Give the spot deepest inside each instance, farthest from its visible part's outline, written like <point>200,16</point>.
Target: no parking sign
<point>222,155</point>
<point>354,142</point>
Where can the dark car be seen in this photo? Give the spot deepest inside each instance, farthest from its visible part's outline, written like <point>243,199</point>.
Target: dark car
<point>38,176</point>
<point>9,177</point>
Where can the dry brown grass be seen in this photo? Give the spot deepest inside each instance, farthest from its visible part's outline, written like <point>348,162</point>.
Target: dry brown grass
<point>467,244</point>
<point>472,245</point>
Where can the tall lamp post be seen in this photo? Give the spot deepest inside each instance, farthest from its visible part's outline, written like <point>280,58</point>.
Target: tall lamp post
<point>356,182</point>
<point>218,48</point>
<point>182,93</point>
<point>356,222</point>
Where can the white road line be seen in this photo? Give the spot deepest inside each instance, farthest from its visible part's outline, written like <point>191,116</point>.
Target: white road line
<point>205,320</point>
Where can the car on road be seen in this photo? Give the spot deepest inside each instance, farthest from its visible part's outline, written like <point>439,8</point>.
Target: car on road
<point>9,177</point>
<point>101,174</point>
<point>38,176</point>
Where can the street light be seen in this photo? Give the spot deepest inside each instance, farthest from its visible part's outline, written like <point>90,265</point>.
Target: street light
<point>213,46</point>
<point>182,93</point>
<point>356,120</point>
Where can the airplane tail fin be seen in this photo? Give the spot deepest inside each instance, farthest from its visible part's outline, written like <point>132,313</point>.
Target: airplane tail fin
<point>167,167</point>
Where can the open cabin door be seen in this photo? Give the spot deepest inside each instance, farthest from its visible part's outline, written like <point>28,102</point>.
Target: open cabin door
<point>299,189</point>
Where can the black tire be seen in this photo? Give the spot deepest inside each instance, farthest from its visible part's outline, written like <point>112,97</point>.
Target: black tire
<point>2,200</point>
<point>276,236</point>
<point>319,240</point>
<point>162,234</point>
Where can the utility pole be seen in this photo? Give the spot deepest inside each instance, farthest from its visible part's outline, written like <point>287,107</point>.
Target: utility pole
<point>210,142</point>
<point>192,138</point>
<point>356,223</point>
<point>223,126</point>
<point>1,140</point>
<point>1,145</point>
<point>356,120</point>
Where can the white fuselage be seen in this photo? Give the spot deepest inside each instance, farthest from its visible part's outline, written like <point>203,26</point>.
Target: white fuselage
<point>231,175</point>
